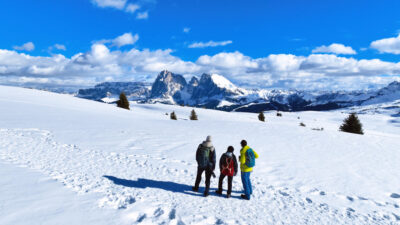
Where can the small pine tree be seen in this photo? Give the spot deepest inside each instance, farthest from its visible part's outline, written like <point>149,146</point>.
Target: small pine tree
<point>352,125</point>
<point>193,115</point>
<point>123,101</point>
<point>261,116</point>
<point>173,116</point>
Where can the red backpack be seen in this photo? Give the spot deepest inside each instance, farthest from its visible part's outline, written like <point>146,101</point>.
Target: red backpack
<point>227,167</point>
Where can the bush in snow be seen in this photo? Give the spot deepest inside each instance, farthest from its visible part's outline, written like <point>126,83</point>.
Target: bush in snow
<point>302,124</point>
<point>278,114</point>
<point>352,125</point>
<point>123,101</point>
<point>193,115</point>
<point>261,116</point>
<point>173,116</point>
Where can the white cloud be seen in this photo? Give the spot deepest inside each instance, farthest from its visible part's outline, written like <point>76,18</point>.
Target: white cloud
<point>29,46</point>
<point>387,45</point>
<point>125,39</point>
<point>60,47</point>
<point>210,44</point>
<point>132,8</point>
<point>118,4</point>
<point>234,62</point>
<point>142,15</point>
<point>316,71</point>
<point>186,29</point>
<point>124,5</point>
<point>335,49</point>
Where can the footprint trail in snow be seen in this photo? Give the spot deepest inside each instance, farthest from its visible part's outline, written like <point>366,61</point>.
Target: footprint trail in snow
<point>155,189</point>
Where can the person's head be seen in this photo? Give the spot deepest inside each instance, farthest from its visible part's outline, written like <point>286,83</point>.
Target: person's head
<point>230,149</point>
<point>208,139</point>
<point>243,143</point>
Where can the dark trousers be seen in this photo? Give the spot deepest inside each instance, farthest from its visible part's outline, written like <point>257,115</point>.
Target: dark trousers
<point>198,178</point>
<point>221,179</point>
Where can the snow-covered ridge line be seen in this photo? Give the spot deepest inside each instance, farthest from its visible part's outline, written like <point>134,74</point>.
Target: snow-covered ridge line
<point>216,92</point>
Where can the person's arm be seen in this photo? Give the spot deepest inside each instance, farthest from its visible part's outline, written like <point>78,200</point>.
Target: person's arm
<point>214,160</point>
<point>242,158</point>
<point>197,154</point>
<point>255,154</point>
<point>221,162</point>
<point>235,165</point>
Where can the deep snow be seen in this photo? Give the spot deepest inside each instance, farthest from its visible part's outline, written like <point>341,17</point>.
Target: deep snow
<point>138,166</point>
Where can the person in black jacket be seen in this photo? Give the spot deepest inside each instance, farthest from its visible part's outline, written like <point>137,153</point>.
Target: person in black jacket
<point>229,167</point>
<point>205,157</point>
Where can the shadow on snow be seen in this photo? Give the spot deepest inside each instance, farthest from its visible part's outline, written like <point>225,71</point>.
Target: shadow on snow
<point>147,183</point>
<point>164,185</point>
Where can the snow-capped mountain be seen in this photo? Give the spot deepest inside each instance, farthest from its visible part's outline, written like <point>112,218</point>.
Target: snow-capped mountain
<point>109,91</point>
<point>166,85</point>
<point>216,92</point>
<point>215,87</point>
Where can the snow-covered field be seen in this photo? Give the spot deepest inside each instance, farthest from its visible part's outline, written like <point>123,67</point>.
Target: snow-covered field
<point>65,160</point>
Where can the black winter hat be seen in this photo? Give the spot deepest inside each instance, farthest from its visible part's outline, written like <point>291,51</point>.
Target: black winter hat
<point>230,149</point>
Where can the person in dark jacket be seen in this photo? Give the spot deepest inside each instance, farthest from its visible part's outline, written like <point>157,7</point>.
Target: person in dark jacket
<point>228,167</point>
<point>205,157</point>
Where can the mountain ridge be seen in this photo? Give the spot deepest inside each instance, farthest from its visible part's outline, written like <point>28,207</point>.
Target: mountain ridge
<point>217,92</point>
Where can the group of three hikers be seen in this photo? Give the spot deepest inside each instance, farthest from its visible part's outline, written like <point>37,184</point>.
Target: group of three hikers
<point>206,160</point>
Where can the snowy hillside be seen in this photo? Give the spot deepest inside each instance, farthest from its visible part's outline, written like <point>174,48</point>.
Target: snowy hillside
<point>67,160</point>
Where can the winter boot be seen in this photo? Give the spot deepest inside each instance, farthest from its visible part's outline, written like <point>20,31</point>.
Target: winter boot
<point>228,195</point>
<point>206,194</point>
<point>243,196</point>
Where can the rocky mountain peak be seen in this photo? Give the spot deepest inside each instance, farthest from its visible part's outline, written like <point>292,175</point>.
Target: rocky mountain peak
<point>167,84</point>
<point>194,82</point>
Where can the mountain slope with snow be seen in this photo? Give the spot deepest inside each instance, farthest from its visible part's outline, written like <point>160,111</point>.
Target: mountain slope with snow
<point>214,91</point>
<point>138,166</point>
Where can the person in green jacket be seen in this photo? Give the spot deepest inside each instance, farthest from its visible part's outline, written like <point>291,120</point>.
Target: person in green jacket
<point>246,167</point>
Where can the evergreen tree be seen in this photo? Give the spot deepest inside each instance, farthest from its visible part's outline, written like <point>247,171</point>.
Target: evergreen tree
<point>123,101</point>
<point>352,125</point>
<point>261,116</point>
<point>193,115</point>
<point>173,116</point>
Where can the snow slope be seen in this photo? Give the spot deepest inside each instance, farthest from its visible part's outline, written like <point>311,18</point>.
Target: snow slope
<point>134,167</point>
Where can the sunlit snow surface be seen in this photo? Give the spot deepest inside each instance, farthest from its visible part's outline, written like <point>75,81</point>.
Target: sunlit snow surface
<point>73,157</point>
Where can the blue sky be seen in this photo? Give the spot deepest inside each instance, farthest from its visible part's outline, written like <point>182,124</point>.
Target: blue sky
<point>265,44</point>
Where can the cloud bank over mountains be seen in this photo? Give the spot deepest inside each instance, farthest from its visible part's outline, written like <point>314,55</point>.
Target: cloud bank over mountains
<point>105,61</point>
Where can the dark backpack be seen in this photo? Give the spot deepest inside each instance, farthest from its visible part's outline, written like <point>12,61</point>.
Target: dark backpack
<point>227,167</point>
<point>250,158</point>
<point>204,156</point>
